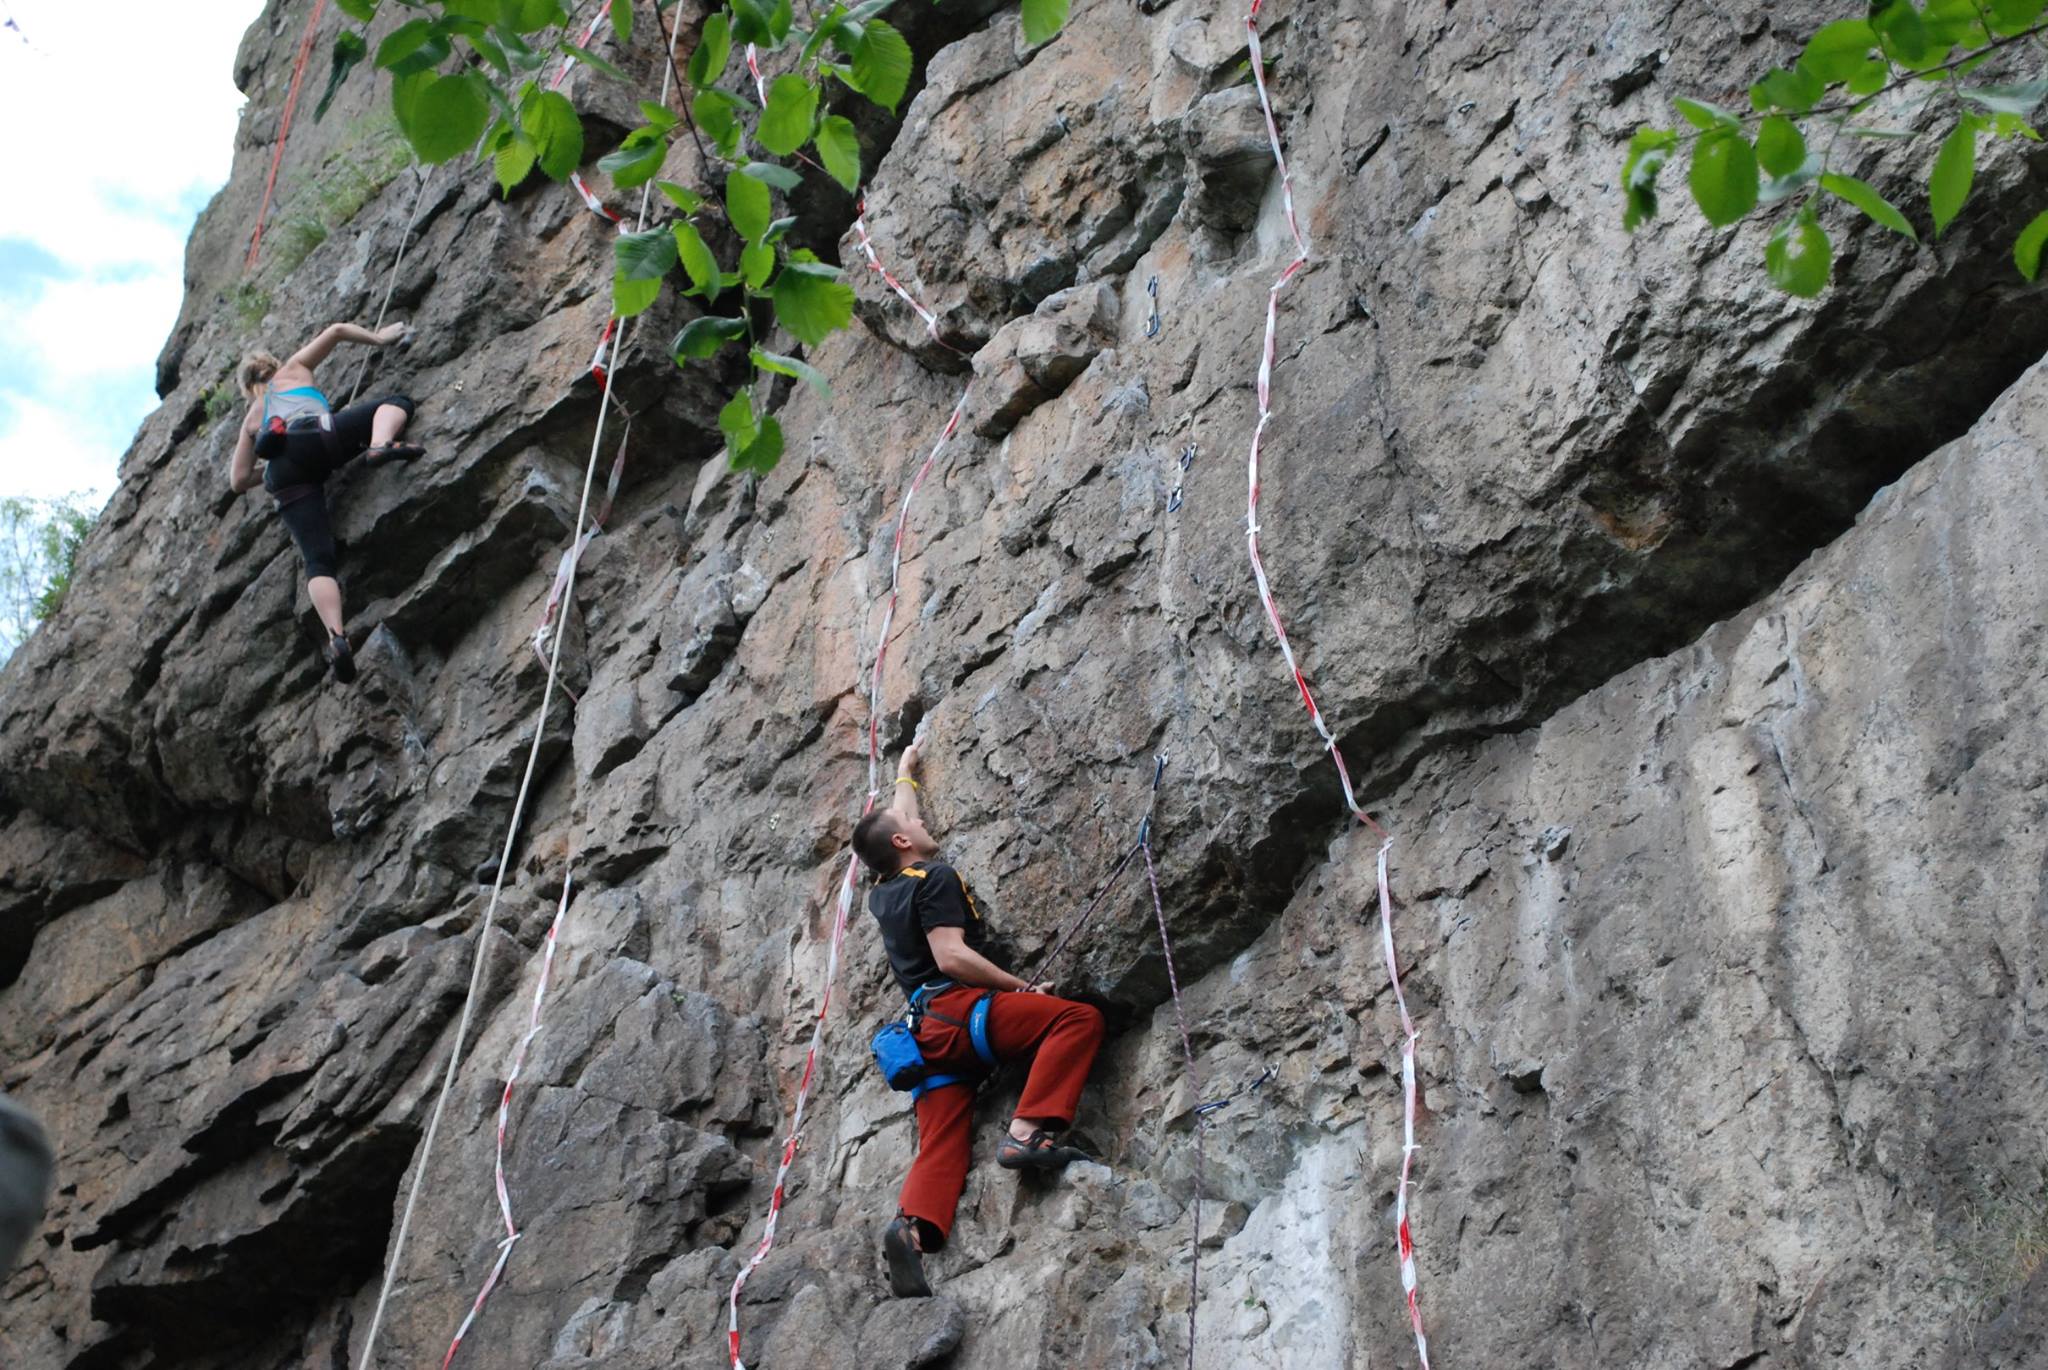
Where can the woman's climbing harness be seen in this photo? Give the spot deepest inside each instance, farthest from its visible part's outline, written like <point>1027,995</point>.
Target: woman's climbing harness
<point>1403,1239</point>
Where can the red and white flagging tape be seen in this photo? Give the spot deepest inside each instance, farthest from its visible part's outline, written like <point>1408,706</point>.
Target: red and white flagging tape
<point>540,994</point>
<point>848,887</point>
<point>1265,393</point>
<point>589,196</point>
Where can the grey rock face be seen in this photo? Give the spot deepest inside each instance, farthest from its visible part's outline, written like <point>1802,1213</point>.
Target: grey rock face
<point>1687,637</point>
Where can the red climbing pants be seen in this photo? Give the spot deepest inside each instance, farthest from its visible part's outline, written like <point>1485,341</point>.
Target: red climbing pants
<point>1058,1036</point>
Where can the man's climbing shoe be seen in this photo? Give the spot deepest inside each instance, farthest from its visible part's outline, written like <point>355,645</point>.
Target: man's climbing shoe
<point>1037,1152</point>
<point>393,451</point>
<point>341,659</point>
<point>905,1261</point>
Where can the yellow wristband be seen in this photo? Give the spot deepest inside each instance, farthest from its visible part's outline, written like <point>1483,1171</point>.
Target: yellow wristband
<point>906,780</point>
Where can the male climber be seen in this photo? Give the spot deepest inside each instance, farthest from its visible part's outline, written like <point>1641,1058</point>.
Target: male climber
<point>933,931</point>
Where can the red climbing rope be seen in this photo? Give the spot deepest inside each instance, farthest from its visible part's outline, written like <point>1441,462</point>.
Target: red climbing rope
<point>1405,1241</point>
<point>284,128</point>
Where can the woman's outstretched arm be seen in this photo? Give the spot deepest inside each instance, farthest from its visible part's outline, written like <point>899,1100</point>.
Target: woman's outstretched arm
<point>332,336</point>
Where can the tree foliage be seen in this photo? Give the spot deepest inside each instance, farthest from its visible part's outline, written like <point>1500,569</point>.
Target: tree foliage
<point>478,77</point>
<point>39,541</point>
<point>1855,84</point>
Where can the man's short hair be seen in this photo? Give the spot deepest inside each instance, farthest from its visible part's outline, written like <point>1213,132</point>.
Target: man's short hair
<point>871,841</point>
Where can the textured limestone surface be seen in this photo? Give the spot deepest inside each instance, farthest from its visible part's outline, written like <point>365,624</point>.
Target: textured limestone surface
<point>1688,637</point>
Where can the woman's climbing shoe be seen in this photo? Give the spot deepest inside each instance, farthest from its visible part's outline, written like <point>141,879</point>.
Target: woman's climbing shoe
<point>1037,1152</point>
<point>393,451</point>
<point>905,1261</point>
<point>341,659</point>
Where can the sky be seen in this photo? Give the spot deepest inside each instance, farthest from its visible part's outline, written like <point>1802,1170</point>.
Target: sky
<point>139,108</point>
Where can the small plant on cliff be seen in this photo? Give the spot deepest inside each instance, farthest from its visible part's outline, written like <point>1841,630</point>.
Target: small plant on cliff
<point>1788,152</point>
<point>475,76</point>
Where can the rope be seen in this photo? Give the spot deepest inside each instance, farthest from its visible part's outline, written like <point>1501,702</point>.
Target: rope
<point>1405,1241</point>
<point>512,1234</point>
<point>419,194</point>
<point>1199,1121</point>
<point>847,888</point>
<point>505,856</point>
<point>284,128</point>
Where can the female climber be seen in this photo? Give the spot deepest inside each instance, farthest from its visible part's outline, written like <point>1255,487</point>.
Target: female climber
<point>301,441</point>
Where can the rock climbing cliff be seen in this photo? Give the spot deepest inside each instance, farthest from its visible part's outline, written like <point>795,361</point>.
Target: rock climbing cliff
<point>1687,637</point>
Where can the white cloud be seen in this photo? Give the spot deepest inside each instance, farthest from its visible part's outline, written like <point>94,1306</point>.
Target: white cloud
<point>148,113</point>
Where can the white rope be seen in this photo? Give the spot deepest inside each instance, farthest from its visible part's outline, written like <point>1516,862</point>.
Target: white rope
<point>418,196</point>
<point>518,812</point>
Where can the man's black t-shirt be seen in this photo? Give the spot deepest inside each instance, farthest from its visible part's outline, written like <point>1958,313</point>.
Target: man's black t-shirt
<point>909,904</point>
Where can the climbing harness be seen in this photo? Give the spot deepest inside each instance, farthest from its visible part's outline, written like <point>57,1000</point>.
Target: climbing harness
<point>1403,1238</point>
<point>902,1060</point>
<point>425,1152</point>
<point>1152,324</point>
<point>284,129</point>
<point>850,883</point>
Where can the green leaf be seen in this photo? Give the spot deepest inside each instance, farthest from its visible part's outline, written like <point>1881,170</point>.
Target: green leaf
<point>701,338</point>
<point>364,10</point>
<point>1700,114</point>
<point>736,421</point>
<point>1870,78</point>
<point>349,49</point>
<point>1723,176</point>
<point>778,228</point>
<point>1795,91</point>
<point>2026,249</point>
<point>1866,198</point>
<point>622,20</point>
<point>790,366</point>
<point>748,205</point>
<point>644,256</point>
<point>717,115</point>
<point>828,28</point>
<point>780,19</point>
<point>1836,51</point>
<point>1043,19</point>
<point>449,114</point>
<point>1799,256</point>
<point>781,177</point>
<point>550,120</point>
<point>527,16</point>
<point>1780,149</point>
<point>2019,100</point>
<point>591,59</point>
<point>811,301</point>
<point>792,108</point>
<point>757,262</point>
<point>1955,167</point>
<point>760,455</point>
<point>403,41</point>
<point>1647,152</point>
<point>682,197</point>
<point>881,63</point>
<point>2012,126</point>
<point>659,117</point>
<point>698,262</point>
<point>1792,182</point>
<point>2014,16</point>
<point>707,63</point>
<point>749,22</point>
<point>839,147</point>
<point>635,161</point>
<point>513,162</point>
<point>491,53</point>
<point>633,297</point>
<point>1903,34</point>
